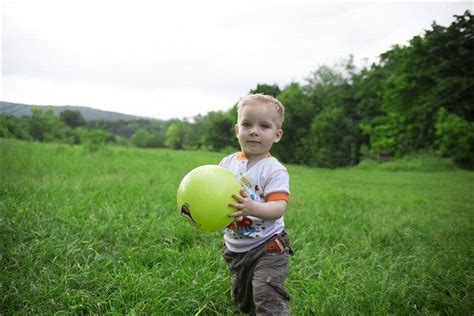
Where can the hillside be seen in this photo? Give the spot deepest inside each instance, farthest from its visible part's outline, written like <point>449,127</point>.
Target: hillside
<point>89,114</point>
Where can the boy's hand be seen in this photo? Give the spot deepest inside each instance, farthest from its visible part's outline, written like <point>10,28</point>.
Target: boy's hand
<point>244,205</point>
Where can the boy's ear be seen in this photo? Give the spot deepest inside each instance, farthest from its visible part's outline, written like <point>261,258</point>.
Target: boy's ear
<point>236,129</point>
<point>279,134</point>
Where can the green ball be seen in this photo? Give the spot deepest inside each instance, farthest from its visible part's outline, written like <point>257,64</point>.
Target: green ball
<point>204,194</point>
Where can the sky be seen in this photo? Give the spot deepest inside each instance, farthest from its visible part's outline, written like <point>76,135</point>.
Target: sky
<point>180,58</point>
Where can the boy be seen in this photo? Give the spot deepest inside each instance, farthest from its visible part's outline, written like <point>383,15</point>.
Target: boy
<point>256,244</point>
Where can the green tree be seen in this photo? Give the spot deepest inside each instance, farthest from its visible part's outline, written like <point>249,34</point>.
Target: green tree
<point>95,139</point>
<point>13,127</point>
<point>217,130</point>
<point>299,112</point>
<point>142,138</point>
<point>267,89</point>
<point>176,135</point>
<point>433,70</point>
<point>368,88</point>
<point>450,58</point>
<point>72,118</point>
<point>333,96</point>
<point>335,143</point>
<point>45,126</point>
<point>455,138</point>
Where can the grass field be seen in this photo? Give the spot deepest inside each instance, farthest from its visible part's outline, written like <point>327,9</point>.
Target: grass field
<point>99,232</point>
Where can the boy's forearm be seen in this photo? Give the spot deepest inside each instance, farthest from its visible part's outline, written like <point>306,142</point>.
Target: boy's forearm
<point>269,210</point>
<point>244,206</point>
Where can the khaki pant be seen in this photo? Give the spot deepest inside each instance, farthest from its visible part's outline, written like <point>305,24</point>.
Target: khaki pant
<point>258,277</point>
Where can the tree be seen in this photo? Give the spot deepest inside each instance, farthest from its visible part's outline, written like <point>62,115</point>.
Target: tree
<point>218,131</point>
<point>176,135</point>
<point>12,127</point>
<point>334,143</point>
<point>449,54</point>
<point>142,138</point>
<point>267,89</point>
<point>299,112</point>
<point>72,118</point>
<point>455,138</point>
<point>434,70</point>
<point>94,139</point>
<point>333,97</point>
<point>45,126</point>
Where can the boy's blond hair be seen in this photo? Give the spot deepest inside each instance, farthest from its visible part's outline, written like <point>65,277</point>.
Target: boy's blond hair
<point>266,100</point>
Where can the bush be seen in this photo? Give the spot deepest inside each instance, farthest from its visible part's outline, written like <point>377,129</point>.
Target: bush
<point>142,138</point>
<point>94,139</point>
<point>455,138</point>
<point>12,127</point>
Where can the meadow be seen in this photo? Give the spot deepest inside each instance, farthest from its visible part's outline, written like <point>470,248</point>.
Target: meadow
<point>98,232</point>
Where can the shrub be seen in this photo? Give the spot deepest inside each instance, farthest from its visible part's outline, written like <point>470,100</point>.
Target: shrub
<point>455,138</point>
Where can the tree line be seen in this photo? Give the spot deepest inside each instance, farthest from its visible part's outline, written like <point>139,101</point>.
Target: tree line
<point>416,97</point>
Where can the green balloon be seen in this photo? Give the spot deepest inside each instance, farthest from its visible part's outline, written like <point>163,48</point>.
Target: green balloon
<point>204,194</point>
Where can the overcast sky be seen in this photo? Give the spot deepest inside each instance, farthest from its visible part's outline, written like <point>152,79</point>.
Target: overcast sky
<point>177,58</point>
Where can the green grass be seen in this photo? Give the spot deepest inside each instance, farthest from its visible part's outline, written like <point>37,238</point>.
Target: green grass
<point>99,233</point>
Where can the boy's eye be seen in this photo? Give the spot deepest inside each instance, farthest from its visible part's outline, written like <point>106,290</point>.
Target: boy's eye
<point>265,126</point>
<point>245,124</point>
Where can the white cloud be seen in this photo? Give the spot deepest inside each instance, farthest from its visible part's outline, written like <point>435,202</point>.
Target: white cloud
<point>168,59</point>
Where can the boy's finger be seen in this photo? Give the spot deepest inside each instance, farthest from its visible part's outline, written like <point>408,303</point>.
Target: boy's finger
<point>236,214</point>
<point>235,205</point>
<point>237,197</point>
<point>243,193</point>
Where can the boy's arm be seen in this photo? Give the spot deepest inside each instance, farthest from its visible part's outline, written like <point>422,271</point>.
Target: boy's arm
<point>245,206</point>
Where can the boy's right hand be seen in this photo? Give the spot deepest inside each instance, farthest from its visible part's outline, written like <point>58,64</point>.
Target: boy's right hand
<point>243,206</point>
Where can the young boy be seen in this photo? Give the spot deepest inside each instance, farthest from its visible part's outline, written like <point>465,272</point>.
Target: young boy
<point>256,244</point>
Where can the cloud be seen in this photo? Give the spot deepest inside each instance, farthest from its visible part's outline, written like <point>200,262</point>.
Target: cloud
<point>206,54</point>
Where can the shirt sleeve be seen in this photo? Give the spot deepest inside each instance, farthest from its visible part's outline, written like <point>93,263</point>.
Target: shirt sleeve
<point>221,164</point>
<point>277,186</point>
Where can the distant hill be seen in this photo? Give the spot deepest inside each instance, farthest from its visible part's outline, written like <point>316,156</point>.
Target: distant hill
<point>89,114</point>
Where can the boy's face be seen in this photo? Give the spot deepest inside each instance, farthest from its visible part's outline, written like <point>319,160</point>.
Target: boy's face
<point>257,130</point>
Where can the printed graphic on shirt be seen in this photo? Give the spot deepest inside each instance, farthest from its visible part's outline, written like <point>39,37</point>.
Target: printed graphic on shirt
<point>247,228</point>
<point>247,187</point>
<point>245,181</point>
<point>260,194</point>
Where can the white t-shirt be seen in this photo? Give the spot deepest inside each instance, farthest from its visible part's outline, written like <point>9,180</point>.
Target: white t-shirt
<point>267,180</point>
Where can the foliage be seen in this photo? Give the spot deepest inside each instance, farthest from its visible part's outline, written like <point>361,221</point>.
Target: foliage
<point>177,134</point>
<point>13,127</point>
<point>126,129</point>
<point>218,130</point>
<point>95,139</point>
<point>335,137</point>
<point>294,145</point>
<point>433,71</point>
<point>267,89</point>
<point>334,140</point>
<point>72,118</point>
<point>144,139</point>
<point>45,126</point>
<point>455,138</point>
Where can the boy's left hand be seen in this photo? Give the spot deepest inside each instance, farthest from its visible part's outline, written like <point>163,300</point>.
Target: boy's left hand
<point>243,205</point>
